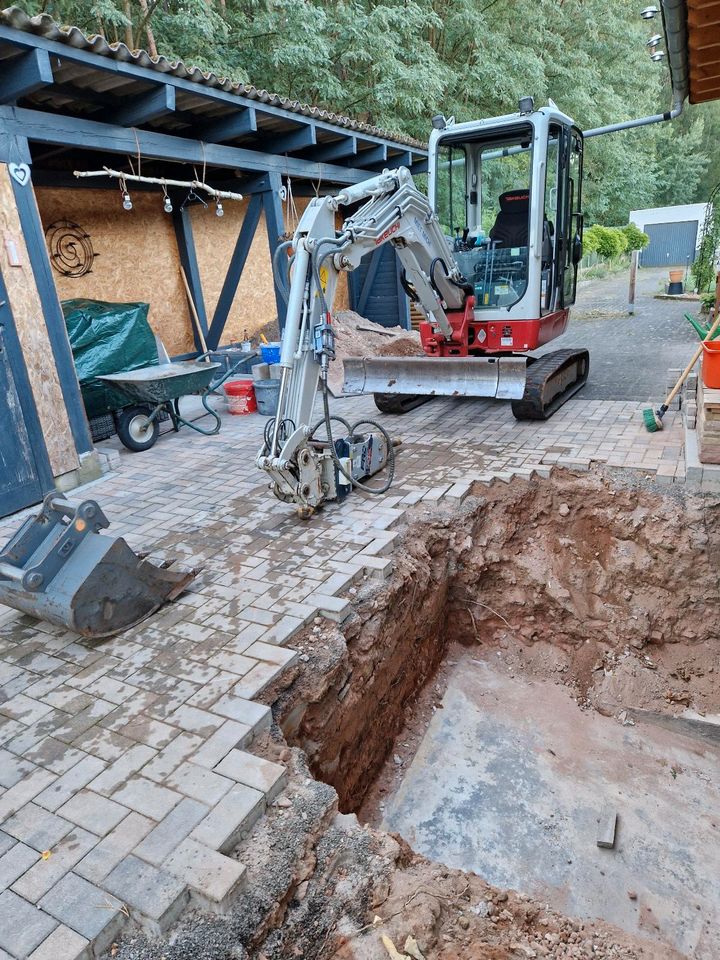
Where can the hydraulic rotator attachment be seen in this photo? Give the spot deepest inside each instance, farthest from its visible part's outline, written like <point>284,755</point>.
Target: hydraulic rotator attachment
<point>59,567</point>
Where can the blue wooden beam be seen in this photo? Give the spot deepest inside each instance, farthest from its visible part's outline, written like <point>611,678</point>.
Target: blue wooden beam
<point>338,150</point>
<point>52,312</point>
<point>146,107</point>
<point>234,271</point>
<point>362,299</point>
<point>420,166</point>
<point>287,142</point>
<point>376,154</point>
<point>41,127</point>
<point>24,75</point>
<point>227,128</point>
<point>399,160</point>
<point>275,223</point>
<point>189,263</point>
<point>132,71</point>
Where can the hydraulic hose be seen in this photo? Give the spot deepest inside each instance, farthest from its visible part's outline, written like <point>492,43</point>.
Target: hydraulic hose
<point>281,275</point>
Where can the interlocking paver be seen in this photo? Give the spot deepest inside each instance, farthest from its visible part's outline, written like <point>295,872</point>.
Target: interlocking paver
<point>63,944</point>
<point>199,782</point>
<point>262,775</point>
<point>86,909</point>
<point>69,783</point>
<point>46,872</point>
<point>107,854</point>
<point>15,862</point>
<point>94,812</point>
<point>257,716</point>
<point>230,735</point>
<point>36,827</point>
<point>155,896</point>
<point>214,879</point>
<point>231,819</point>
<point>147,797</point>
<point>22,926</point>
<point>24,791</point>
<point>122,769</point>
<point>165,837</point>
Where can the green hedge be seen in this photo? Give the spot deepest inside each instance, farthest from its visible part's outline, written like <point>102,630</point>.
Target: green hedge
<point>612,242</point>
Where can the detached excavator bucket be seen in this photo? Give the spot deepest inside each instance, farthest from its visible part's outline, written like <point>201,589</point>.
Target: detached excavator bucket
<point>501,377</point>
<point>58,567</point>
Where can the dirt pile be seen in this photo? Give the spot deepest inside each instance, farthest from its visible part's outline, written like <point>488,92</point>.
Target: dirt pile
<point>357,337</point>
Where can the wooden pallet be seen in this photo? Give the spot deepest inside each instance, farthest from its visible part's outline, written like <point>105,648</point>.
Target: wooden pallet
<point>708,423</point>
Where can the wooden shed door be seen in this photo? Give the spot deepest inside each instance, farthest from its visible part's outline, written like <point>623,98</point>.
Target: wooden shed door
<point>25,474</point>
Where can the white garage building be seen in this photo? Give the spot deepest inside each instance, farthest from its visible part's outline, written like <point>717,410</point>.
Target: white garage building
<point>674,233</point>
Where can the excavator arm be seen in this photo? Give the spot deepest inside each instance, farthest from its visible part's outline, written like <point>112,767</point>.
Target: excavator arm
<point>304,469</point>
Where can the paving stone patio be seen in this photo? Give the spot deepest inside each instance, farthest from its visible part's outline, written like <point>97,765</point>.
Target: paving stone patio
<point>127,773</point>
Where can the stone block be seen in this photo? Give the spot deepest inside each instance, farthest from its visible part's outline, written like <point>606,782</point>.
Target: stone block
<point>15,862</point>
<point>254,715</point>
<point>230,735</point>
<point>254,772</point>
<point>156,898</point>
<point>213,878</point>
<point>22,926</point>
<point>231,819</point>
<point>165,837</point>
<point>63,944</point>
<point>147,797</point>
<point>24,791</point>
<point>45,873</point>
<point>122,769</point>
<point>69,783</point>
<point>86,909</point>
<point>37,828</point>
<point>201,783</point>
<point>107,854</point>
<point>97,814</point>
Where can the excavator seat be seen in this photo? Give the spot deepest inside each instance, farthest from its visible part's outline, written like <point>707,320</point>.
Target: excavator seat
<point>511,224</point>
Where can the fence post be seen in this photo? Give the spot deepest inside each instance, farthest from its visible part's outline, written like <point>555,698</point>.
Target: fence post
<point>633,279</point>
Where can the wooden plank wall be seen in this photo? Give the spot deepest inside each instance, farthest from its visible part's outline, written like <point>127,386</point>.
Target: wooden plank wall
<point>137,259</point>
<point>33,336</point>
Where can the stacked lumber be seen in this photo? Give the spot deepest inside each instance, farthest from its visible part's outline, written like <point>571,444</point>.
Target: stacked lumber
<point>708,423</point>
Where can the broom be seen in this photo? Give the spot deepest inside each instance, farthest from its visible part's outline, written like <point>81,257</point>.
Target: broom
<point>653,418</point>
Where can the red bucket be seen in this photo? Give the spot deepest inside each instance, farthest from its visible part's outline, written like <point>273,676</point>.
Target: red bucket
<point>711,364</point>
<point>240,396</point>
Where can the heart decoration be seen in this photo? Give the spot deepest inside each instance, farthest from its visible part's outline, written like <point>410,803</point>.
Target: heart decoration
<point>20,172</point>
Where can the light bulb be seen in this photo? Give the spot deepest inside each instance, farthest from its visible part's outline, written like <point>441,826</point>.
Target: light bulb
<point>219,210</point>
<point>167,206</point>
<point>127,202</point>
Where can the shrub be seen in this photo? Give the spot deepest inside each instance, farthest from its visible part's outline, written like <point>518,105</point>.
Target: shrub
<point>636,239</point>
<point>608,242</point>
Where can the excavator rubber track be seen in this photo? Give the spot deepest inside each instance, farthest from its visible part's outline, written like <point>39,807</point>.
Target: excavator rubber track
<point>551,381</point>
<point>399,402</point>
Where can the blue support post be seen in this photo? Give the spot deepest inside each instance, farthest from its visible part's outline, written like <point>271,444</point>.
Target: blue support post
<point>189,263</point>
<point>234,272</point>
<point>272,208</point>
<point>54,320</point>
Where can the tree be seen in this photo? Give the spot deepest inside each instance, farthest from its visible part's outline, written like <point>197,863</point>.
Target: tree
<point>636,239</point>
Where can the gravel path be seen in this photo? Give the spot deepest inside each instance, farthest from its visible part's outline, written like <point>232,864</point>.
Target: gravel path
<point>629,355</point>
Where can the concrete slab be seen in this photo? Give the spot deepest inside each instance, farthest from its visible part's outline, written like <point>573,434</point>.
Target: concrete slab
<point>510,780</point>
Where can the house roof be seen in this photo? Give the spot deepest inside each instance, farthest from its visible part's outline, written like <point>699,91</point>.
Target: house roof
<point>703,30</point>
<point>44,26</point>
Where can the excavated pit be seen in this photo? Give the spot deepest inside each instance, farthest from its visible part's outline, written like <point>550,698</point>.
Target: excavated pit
<point>594,601</point>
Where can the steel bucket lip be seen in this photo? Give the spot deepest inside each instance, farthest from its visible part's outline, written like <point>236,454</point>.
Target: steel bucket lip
<point>458,377</point>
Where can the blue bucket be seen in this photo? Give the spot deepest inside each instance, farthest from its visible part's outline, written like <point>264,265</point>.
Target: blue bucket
<point>271,352</point>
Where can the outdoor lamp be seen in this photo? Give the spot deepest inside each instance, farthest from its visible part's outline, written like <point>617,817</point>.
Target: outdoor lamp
<point>654,40</point>
<point>657,56</point>
<point>649,13</point>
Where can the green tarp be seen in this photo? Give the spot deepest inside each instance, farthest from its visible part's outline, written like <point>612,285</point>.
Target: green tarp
<point>107,338</point>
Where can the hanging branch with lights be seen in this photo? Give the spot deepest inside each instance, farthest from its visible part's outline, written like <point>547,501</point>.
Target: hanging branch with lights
<point>193,186</point>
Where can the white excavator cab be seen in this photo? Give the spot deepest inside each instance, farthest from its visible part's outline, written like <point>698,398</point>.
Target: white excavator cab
<point>508,193</point>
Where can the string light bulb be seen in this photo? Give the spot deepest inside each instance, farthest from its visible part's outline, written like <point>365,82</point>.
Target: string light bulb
<point>219,211</point>
<point>127,202</point>
<point>167,205</point>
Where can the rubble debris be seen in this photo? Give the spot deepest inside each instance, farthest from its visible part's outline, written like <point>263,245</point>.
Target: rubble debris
<point>607,827</point>
<point>355,336</point>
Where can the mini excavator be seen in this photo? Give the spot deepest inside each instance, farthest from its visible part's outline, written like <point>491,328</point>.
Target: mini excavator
<point>490,259</point>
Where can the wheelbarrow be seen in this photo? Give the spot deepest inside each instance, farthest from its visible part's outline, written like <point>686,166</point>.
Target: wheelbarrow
<point>153,391</point>
<point>59,567</point>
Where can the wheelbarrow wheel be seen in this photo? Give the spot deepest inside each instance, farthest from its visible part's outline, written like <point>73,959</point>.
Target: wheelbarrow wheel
<point>135,428</point>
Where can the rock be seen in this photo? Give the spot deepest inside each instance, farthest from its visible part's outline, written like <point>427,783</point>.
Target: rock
<point>632,895</point>
<point>563,510</point>
<point>464,922</point>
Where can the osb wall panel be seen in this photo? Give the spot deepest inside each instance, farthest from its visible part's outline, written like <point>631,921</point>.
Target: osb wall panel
<point>254,303</point>
<point>32,333</point>
<point>137,259</point>
<point>136,256</point>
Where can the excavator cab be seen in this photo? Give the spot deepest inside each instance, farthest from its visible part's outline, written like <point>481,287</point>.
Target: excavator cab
<point>508,194</point>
